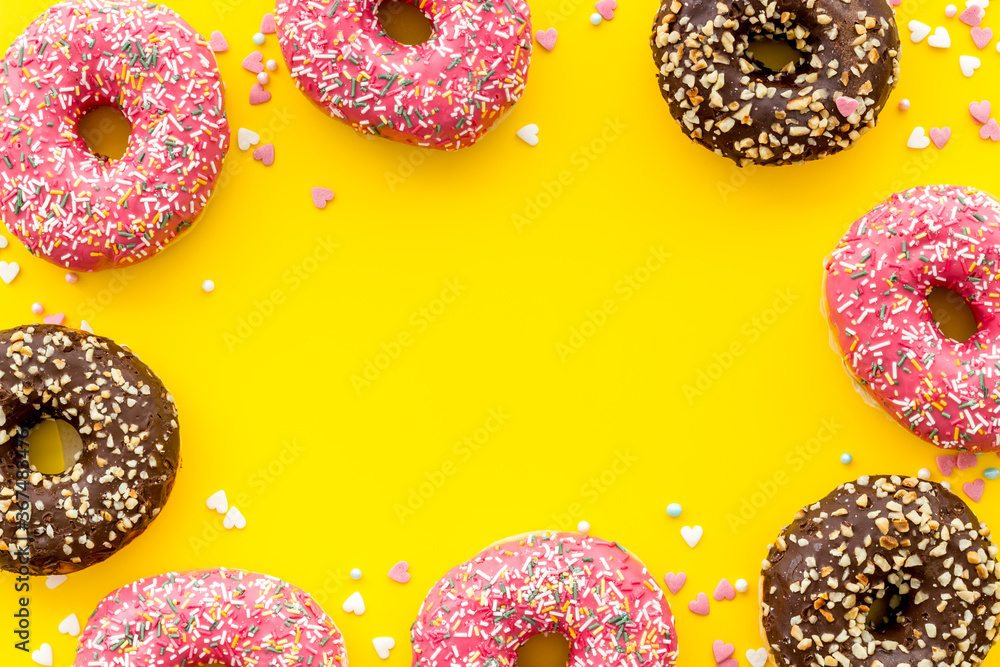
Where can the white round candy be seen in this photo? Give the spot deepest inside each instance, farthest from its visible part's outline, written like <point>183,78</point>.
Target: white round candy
<point>583,527</point>
<point>596,18</point>
<point>208,285</point>
<point>271,65</point>
<point>924,473</point>
<point>258,38</point>
<point>263,78</point>
<point>742,586</point>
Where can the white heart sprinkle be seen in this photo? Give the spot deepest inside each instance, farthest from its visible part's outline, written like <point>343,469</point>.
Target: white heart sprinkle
<point>8,271</point>
<point>70,626</point>
<point>383,645</point>
<point>940,39</point>
<point>43,655</point>
<point>757,658</point>
<point>982,4</point>
<point>355,604</point>
<point>969,64</point>
<point>3,242</point>
<point>85,326</point>
<point>918,31</point>
<point>529,134</point>
<point>918,138</point>
<point>54,581</point>
<point>246,138</point>
<point>234,518</point>
<point>692,535</point>
<point>218,502</point>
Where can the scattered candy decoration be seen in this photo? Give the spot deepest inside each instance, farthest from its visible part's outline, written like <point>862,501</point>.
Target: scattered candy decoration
<point>918,139</point>
<point>258,38</point>
<point>606,8</point>
<point>721,650</point>
<point>37,308</point>
<point>674,510</point>
<point>547,38</point>
<point>982,37</point>
<point>969,64</point>
<point>321,196</point>
<point>980,111</point>
<point>918,31</point>
<point>940,39</point>
<point>54,581</point>
<point>265,154</point>
<point>846,106</point>
<point>383,645</point>
<point>43,655</point>
<point>846,458</point>
<point>951,11</point>
<point>267,25</point>
<point>529,134</point>
<point>595,18</point>
<point>355,604</point>
<point>972,16</point>
<point>742,586</point>
<point>966,460</point>
<point>699,605</point>
<point>246,138</point>
<point>9,271</point>
<point>974,489</point>
<point>271,65</point>
<point>692,535</point>
<point>3,242</point>
<point>724,591</point>
<point>85,326</point>
<point>254,62</point>
<point>583,527</point>
<point>218,42</point>
<point>218,502</point>
<point>70,626</point>
<point>208,286</point>
<point>757,657</point>
<point>263,78</point>
<point>924,473</point>
<point>990,131</point>
<point>946,484</point>
<point>675,582</point>
<point>904,104</point>
<point>258,95</point>
<point>991,473</point>
<point>234,519</point>
<point>355,574</point>
<point>940,136</point>
<point>57,318</point>
<point>72,278</point>
<point>399,572</point>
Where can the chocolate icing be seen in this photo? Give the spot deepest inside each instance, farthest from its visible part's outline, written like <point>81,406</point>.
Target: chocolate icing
<point>131,447</point>
<point>727,102</point>
<point>908,547</point>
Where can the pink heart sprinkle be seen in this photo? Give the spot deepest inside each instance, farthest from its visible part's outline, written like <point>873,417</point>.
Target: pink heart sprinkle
<point>320,197</point>
<point>980,111</point>
<point>940,137</point>
<point>724,590</point>
<point>57,318</point>
<point>699,605</point>
<point>254,62</point>
<point>967,460</point>
<point>721,650</point>
<point>895,3</point>
<point>606,8</point>
<point>547,38</point>
<point>971,16</point>
<point>399,570</point>
<point>982,36</point>
<point>218,43</point>
<point>675,582</point>
<point>267,24</point>
<point>846,105</point>
<point>991,130</point>
<point>974,489</point>
<point>731,662</point>
<point>265,154</point>
<point>258,95</point>
<point>946,464</point>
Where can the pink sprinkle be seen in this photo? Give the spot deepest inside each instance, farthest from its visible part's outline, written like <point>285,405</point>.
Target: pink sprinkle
<point>320,197</point>
<point>57,318</point>
<point>974,489</point>
<point>72,278</point>
<point>991,130</point>
<point>980,111</point>
<point>982,36</point>
<point>940,137</point>
<point>265,154</point>
<point>254,62</point>
<point>258,95</point>
<point>547,38</point>
<point>699,605</point>
<point>967,460</point>
<point>606,8</point>
<point>37,308</point>
<point>218,42</point>
<point>971,16</point>
<point>946,464</point>
<point>721,650</point>
<point>267,24</point>
<point>675,582</point>
<point>724,591</point>
<point>846,105</point>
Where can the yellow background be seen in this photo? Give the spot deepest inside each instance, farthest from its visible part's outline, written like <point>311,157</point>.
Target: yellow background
<point>320,469</point>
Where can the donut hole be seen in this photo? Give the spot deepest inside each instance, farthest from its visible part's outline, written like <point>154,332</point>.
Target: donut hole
<point>952,314</point>
<point>105,131</point>
<point>404,22</point>
<point>774,53</point>
<point>886,610</point>
<point>544,650</point>
<point>53,446</point>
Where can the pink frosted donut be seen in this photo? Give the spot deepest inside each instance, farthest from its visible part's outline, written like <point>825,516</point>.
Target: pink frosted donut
<point>596,594</point>
<point>445,93</point>
<point>877,280</point>
<point>70,206</point>
<point>202,617</point>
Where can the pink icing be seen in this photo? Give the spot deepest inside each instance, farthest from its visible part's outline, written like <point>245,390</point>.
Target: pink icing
<point>594,592</point>
<point>877,280</point>
<point>65,203</point>
<point>200,617</point>
<point>445,93</point>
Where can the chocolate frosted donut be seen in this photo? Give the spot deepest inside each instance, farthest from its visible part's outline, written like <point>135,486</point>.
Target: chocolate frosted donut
<point>728,102</point>
<point>56,524</point>
<point>882,572</point>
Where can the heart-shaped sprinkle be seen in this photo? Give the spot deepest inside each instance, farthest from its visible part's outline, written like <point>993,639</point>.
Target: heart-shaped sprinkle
<point>940,39</point>
<point>974,489</point>
<point>940,136</point>
<point>54,581</point>
<point>966,460</point>
<point>383,645</point>
<point>846,105</point>
<point>234,519</point>
<point>547,38</point>
<point>724,591</point>
<point>980,111</point>
<point>218,502</point>
<point>218,42</point>
<point>990,131</point>
<point>267,24</point>
<point>982,36</point>
<point>675,582</point>
<point>757,657</point>
<point>43,655</point>
<point>971,16</point>
<point>246,138</point>
<point>918,31</point>
<point>918,139</point>
<point>254,62</point>
<point>969,64</point>
<point>265,154</point>
<point>9,271</point>
<point>699,605</point>
<point>70,626</point>
<point>55,318</point>
<point>258,95</point>
<point>692,535</point>
<point>321,196</point>
<point>730,662</point>
<point>529,134</point>
<point>946,464</point>
<point>606,8</point>
<point>355,604</point>
<point>399,572</point>
<point>721,650</point>
<point>85,326</point>
<point>3,242</point>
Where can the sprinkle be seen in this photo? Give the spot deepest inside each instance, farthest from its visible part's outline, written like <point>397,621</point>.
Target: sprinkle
<point>846,458</point>
<point>596,18</point>
<point>258,38</point>
<point>355,574</point>
<point>208,285</point>
<point>583,527</point>
<point>37,308</point>
<point>674,510</point>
